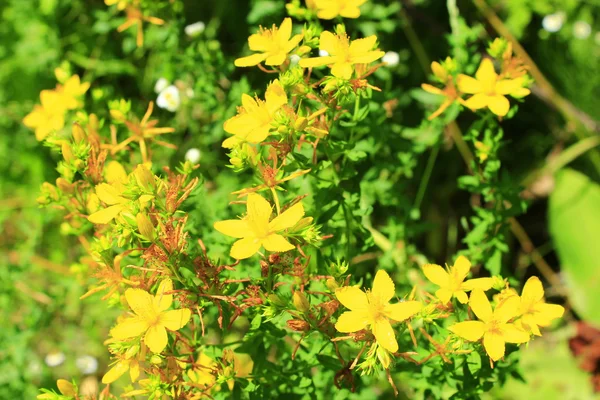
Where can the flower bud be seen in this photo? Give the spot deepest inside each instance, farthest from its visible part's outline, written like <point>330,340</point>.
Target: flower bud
<point>156,360</point>
<point>66,388</point>
<point>332,284</point>
<point>50,191</point>
<point>145,226</point>
<point>64,185</point>
<point>78,133</point>
<point>273,298</point>
<point>300,124</point>
<point>384,357</point>
<point>144,177</point>
<point>67,152</point>
<point>300,302</point>
<point>132,351</point>
<point>298,325</point>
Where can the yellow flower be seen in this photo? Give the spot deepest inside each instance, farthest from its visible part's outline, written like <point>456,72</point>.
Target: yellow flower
<point>136,17</point>
<point>71,91</point>
<point>202,372</point>
<point>48,117</point>
<point>255,230</point>
<point>343,53</point>
<point>329,9</point>
<point>112,195</point>
<point>489,91</point>
<point>129,362</point>
<point>372,310</point>
<point>493,325</point>
<point>272,45</point>
<point>121,4</point>
<point>255,117</point>
<point>535,312</point>
<point>452,282</point>
<point>151,317</point>
<point>449,91</point>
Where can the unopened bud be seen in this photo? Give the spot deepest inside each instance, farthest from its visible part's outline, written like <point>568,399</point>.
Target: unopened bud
<point>298,325</point>
<point>50,190</point>
<point>498,283</point>
<point>64,185</point>
<point>144,177</point>
<point>67,152</point>
<point>117,115</point>
<point>132,351</point>
<point>156,360</point>
<point>273,298</point>
<point>78,133</point>
<point>66,388</point>
<point>384,357</point>
<point>300,124</point>
<point>300,302</point>
<point>283,129</point>
<point>332,284</point>
<point>145,226</point>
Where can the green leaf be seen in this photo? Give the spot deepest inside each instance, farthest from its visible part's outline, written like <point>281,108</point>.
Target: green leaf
<point>575,228</point>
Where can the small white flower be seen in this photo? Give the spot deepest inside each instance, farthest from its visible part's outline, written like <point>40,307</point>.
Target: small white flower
<point>169,99</point>
<point>553,22</point>
<point>193,155</point>
<point>294,60</point>
<point>391,58</point>
<point>161,85</point>
<point>323,53</point>
<point>87,364</point>
<point>582,30</point>
<point>55,359</point>
<point>195,29</point>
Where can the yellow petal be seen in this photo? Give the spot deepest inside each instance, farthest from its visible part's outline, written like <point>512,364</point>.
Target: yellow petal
<point>259,133</point>
<point>364,45</point>
<point>285,30</point>
<point>486,73</point>
<point>250,61</point>
<point>477,101</point>
<point>162,300</point>
<point>499,105</point>
<point>368,57</point>
<point>156,338</point>
<point>352,298</point>
<point>383,287</point>
<point>462,266</point>
<point>240,125</point>
<point>439,71</point>
<point>130,327</point>
<point>245,248</point>
<point>507,309</point>
<point>480,305</point>
<point>546,313</point>
<point>276,59</point>
<point>512,334</point>
<point>533,291</point>
<point>134,370</point>
<point>494,345</point>
<point>352,321</point>
<point>237,228</point>
<point>350,12</point>
<point>293,42</point>
<point>275,96</point>
<point>469,85</point>
<point>404,310</point>
<point>384,334</point>
<point>316,61</point>
<point>527,323</point>
<point>328,42</point>
<point>109,194</point>
<point>141,302</point>
<point>287,219</point>
<point>469,330</point>
<point>431,89</point>
<point>259,211</point>
<point>509,86</point>
<point>258,42</point>
<point>105,215</point>
<point>342,70</point>
<point>115,372</point>
<point>277,243</point>
<point>174,320</point>
<point>461,296</point>
<point>436,274</point>
<point>444,295</point>
<point>114,172</point>
<point>479,283</point>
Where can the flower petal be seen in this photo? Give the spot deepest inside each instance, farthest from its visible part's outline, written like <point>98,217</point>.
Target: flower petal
<point>285,30</point>
<point>163,301</point>
<point>105,215</point>
<point>431,89</point>
<point>363,45</point>
<point>276,59</point>
<point>287,219</point>
<point>328,42</point>
<point>477,101</point>
<point>461,296</point>
<point>469,85</point>
<point>250,61</point>
<point>352,298</point>
<point>174,320</point>
<point>507,309</point>
<point>509,86</point>
<point>462,266</point>
<point>277,243</point>
<point>402,311</point>
<point>499,105</point>
<point>436,274</point>
<point>342,70</point>
<point>109,194</point>
<point>134,370</point>
<point>478,283</point>
<point>494,345</point>
<point>444,295</point>
<point>384,334</point>
<point>130,327</point>
<point>245,248</point>
<point>469,330</point>
<point>316,61</point>
<point>352,321</point>
<point>259,211</point>
<point>533,291</point>
<point>480,305</point>
<point>115,372</point>
<point>546,313</point>
<point>141,302</point>
<point>383,287</point>
<point>156,338</point>
<point>512,334</point>
<point>275,96</point>
<point>237,228</point>
<point>486,73</point>
<point>258,42</point>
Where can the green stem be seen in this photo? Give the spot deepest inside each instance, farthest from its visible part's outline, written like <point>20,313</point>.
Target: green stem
<point>426,175</point>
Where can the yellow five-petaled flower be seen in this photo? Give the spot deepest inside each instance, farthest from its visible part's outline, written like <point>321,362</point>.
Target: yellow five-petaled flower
<point>272,45</point>
<point>256,230</point>
<point>534,310</point>
<point>452,283</point>
<point>493,325</point>
<point>152,317</point>
<point>343,53</point>
<point>489,91</point>
<point>329,9</point>
<point>372,310</point>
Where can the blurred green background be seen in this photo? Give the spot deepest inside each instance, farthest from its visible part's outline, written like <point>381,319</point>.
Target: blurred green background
<point>48,333</point>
